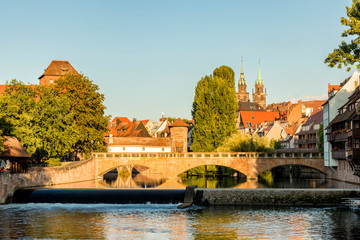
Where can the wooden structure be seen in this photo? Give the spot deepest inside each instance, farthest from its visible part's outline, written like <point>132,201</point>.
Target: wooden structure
<point>16,153</point>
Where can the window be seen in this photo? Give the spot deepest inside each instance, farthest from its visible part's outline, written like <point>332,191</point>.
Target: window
<point>316,126</point>
<point>51,81</point>
<point>356,142</point>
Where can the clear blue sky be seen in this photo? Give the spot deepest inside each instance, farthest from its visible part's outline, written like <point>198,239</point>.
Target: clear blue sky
<point>147,56</point>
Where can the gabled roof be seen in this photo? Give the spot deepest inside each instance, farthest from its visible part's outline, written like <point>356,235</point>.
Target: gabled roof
<point>14,148</point>
<point>179,123</point>
<point>316,118</point>
<point>121,119</point>
<point>145,121</point>
<point>316,105</point>
<point>290,130</point>
<point>249,106</point>
<point>123,127</point>
<point>256,117</point>
<point>59,68</point>
<point>333,87</point>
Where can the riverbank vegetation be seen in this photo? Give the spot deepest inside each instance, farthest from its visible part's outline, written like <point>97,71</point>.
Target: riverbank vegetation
<point>56,121</point>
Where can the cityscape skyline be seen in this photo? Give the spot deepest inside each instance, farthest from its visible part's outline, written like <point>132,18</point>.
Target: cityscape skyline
<point>148,57</point>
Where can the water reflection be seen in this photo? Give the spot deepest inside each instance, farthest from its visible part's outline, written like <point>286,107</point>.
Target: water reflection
<point>108,221</point>
<point>157,181</point>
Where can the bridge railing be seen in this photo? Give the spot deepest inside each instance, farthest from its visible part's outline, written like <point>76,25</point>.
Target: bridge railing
<point>212,155</point>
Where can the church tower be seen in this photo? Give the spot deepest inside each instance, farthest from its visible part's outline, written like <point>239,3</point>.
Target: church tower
<point>259,96</point>
<point>242,95</point>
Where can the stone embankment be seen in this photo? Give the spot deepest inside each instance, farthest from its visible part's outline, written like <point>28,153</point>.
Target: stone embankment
<point>274,197</point>
<point>74,172</point>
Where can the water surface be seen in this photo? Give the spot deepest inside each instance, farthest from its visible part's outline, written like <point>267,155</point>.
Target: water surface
<point>150,221</point>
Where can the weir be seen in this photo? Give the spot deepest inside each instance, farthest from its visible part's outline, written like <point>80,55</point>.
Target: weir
<point>201,197</point>
<point>98,196</point>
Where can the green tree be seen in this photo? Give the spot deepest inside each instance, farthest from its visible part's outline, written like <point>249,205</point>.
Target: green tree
<point>87,107</point>
<point>41,121</point>
<point>348,53</point>
<point>226,73</point>
<point>214,112</point>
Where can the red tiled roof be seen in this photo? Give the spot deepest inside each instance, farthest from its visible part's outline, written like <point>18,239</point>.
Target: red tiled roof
<point>290,130</point>
<point>316,105</point>
<point>333,87</point>
<point>145,121</point>
<point>59,68</point>
<point>2,89</point>
<point>126,128</point>
<point>122,119</point>
<point>256,117</point>
<point>179,123</point>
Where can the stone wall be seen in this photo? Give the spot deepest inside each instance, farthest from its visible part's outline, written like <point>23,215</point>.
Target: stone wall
<point>74,172</point>
<point>343,173</point>
<point>271,197</point>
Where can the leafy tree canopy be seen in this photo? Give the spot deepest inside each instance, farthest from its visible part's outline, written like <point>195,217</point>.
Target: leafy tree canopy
<point>348,53</point>
<point>214,112</point>
<point>87,107</point>
<point>41,121</point>
<point>226,73</point>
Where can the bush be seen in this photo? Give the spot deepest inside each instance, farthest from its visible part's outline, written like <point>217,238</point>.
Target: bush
<point>53,162</point>
<point>239,142</point>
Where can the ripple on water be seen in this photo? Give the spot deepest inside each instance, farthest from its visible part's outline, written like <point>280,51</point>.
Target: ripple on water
<point>165,221</point>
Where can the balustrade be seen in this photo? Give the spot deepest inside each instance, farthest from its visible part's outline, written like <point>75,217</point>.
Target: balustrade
<point>211,155</point>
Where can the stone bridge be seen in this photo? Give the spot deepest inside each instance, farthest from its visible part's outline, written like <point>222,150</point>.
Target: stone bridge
<point>171,165</point>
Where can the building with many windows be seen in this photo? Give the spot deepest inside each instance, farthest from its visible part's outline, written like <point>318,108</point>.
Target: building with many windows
<point>343,135</point>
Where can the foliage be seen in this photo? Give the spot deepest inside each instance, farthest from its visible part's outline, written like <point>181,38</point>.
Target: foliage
<point>2,147</point>
<point>239,142</point>
<point>321,138</point>
<point>275,144</point>
<point>86,105</point>
<point>214,112</point>
<point>226,73</point>
<point>267,177</point>
<point>348,53</point>
<point>171,120</point>
<point>202,170</point>
<point>53,162</point>
<point>41,122</point>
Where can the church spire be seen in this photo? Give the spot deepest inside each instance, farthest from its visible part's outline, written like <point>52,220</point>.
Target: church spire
<point>259,80</point>
<point>242,76</point>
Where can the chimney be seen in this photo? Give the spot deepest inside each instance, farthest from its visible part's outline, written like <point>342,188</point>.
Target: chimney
<point>134,119</point>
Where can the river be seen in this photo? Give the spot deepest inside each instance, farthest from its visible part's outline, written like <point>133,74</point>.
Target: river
<point>149,221</point>
<point>165,221</point>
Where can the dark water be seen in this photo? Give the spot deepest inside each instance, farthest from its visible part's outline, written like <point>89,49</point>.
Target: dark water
<point>149,221</point>
<point>156,181</point>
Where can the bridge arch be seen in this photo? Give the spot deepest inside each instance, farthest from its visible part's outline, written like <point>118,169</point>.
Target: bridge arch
<point>172,165</point>
<point>265,165</point>
<point>237,169</point>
